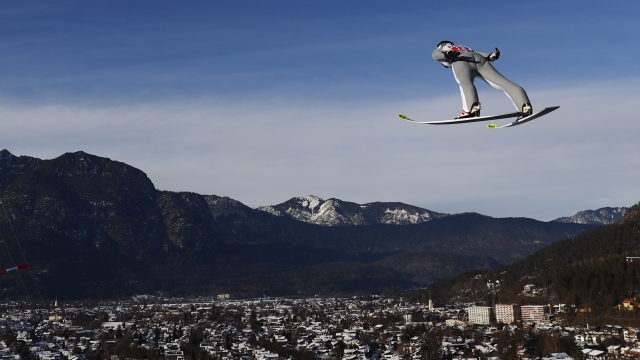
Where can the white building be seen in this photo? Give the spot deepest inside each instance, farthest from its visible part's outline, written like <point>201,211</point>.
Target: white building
<point>480,315</point>
<point>507,313</point>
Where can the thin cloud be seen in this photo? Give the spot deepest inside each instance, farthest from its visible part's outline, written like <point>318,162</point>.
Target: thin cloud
<point>265,151</point>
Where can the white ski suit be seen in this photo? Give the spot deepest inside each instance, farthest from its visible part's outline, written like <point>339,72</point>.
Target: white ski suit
<point>469,65</point>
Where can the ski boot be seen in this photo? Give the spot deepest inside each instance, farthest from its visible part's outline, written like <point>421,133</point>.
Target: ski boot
<point>474,112</point>
<point>527,109</point>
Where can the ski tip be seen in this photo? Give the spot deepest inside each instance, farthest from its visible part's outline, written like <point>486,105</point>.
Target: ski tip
<point>492,126</point>
<point>404,117</point>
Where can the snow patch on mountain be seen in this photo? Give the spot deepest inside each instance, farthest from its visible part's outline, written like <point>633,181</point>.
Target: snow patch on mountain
<point>404,217</point>
<point>311,201</point>
<point>314,210</point>
<point>271,210</point>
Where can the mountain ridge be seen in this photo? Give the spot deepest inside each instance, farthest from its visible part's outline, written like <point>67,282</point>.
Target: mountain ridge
<point>336,212</point>
<point>94,227</point>
<point>601,216</point>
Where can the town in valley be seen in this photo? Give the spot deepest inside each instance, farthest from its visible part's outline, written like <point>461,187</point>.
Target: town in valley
<point>350,328</point>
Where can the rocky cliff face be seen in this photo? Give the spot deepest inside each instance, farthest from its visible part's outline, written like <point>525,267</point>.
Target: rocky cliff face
<point>336,212</point>
<point>602,216</point>
<point>84,220</point>
<point>82,202</point>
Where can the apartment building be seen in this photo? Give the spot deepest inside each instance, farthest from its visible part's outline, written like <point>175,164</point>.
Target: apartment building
<point>480,315</point>
<point>507,313</point>
<point>534,313</point>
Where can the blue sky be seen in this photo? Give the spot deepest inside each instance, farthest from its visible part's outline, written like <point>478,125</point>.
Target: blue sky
<point>265,100</point>
<point>147,50</point>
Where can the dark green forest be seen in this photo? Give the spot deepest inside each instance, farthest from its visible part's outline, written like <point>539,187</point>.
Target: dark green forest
<point>589,270</point>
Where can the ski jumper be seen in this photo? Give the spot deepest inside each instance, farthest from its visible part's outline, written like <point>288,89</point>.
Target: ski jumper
<point>470,64</point>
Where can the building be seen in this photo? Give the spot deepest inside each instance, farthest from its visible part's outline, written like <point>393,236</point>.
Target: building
<point>613,350</point>
<point>534,313</point>
<point>454,322</point>
<point>630,336</point>
<point>409,317</point>
<point>507,313</point>
<point>55,317</point>
<point>480,315</point>
<point>629,303</point>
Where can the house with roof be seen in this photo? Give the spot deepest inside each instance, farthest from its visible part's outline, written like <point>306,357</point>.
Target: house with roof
<point>613,350</point>
<point>592,353</point>
<point>630,335</point>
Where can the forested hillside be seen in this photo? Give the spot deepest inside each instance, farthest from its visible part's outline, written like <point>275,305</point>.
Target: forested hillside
<point>589,270</point>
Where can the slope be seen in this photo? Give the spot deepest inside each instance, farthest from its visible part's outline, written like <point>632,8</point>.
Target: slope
<point>588,270</point>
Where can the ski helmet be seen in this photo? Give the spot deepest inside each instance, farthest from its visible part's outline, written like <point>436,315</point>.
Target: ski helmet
<point>441,43</point>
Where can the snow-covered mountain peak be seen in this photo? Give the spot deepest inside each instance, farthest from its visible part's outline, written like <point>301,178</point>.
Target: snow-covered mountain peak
<point>336,212</point>
<point>602,216</point>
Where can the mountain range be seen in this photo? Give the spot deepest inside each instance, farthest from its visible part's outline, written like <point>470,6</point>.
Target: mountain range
<point>336,212</point>
<point>94,227</point>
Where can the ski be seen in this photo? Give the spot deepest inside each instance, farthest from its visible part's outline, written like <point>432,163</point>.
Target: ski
<point>545,111</point>
<point>462,121</point>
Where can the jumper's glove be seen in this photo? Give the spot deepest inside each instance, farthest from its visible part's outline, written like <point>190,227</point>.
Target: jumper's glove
<point>494,55</point>
<point>450,54</point>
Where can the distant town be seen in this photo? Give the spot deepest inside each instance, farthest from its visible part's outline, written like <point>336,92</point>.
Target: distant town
<point>350,328</point>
